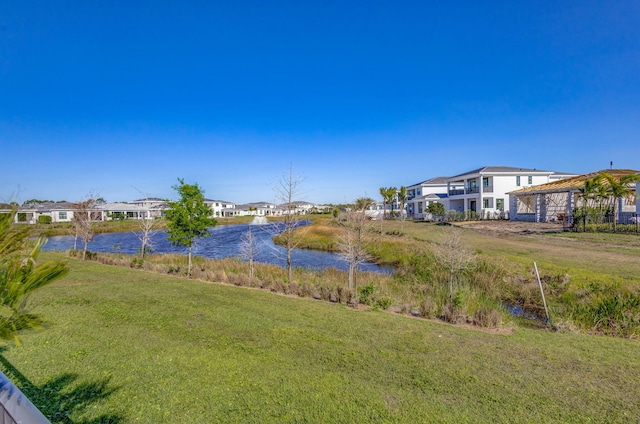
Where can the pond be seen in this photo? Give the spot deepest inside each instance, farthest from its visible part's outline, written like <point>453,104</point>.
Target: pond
<point>225,241</point>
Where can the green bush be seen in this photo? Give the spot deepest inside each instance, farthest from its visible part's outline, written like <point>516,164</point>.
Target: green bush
<point>44,219</point>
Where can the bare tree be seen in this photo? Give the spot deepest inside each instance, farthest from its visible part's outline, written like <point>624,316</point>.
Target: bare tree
<point>249,249</point>
<point>453,255</point>
<point>353,241</point>
<point>149,227</point>
<point>84,214</point>
<point>288,190</point>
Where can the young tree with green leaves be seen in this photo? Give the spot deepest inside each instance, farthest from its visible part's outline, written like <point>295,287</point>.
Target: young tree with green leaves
<point>20,276</point>
<point>188,218</point>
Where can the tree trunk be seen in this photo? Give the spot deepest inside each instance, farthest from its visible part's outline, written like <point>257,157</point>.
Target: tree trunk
<point>351,275</point>
<point>189,266</point>
<point>84,249</point>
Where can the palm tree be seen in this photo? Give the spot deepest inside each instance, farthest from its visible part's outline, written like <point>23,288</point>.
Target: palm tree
<point>402,198</point>
<point>391,197</point>
<point>20,276</point>
<point>619,188</point>
<point>383,193</point>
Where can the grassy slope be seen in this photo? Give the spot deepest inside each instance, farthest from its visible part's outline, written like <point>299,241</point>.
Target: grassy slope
<point>137,347</point>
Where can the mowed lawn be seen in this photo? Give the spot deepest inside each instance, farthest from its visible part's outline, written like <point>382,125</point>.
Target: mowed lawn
<point>130,346</point>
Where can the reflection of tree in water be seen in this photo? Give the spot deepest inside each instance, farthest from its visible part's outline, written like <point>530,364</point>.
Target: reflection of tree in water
<point>60,398</point>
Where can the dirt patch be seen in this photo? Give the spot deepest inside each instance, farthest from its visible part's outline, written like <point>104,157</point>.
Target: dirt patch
<point>512,227</point>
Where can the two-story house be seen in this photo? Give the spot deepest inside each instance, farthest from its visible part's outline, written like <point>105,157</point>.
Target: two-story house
<point>485,190</point>
<point>420,195</point>
<point>220,208</point>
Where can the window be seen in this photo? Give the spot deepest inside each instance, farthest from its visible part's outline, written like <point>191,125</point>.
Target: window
<point>485,203</point>
<point>518,180</point>
<point>500,204</point>
<point>485,181</point>
<point>529,179</point>
<point>419,207</point>
<point>62,215</point>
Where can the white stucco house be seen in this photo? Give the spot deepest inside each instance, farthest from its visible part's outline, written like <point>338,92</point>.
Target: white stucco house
<point>120,210</point>
<point>157,207</point>
<point>58,211</point>
<point>486,190</point>
<point>420,195</point>
<point>220,208</point>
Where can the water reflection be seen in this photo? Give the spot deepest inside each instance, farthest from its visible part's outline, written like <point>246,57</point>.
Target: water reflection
<point>225,241</point>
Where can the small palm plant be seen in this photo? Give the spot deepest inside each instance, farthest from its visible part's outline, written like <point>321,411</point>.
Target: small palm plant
<point>20,276</point>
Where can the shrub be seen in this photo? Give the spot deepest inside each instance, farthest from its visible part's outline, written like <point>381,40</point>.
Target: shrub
<point>384,302</point>
<point>137,262</point>
<point>44,219</point>
<point>366,294</point>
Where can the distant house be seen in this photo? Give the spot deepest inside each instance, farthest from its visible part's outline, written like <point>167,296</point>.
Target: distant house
<point>122,211</point>
<point>57,211</point>
<point>555,201</point>
<point>220,208</point>
<point>486,190</point>
<point>157,207</point>
<point>296,207</point>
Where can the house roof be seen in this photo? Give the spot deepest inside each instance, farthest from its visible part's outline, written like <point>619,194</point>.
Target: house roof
<point>50,206</point>
<point>432,181</point>
<point>502,169</point>
<point>150,199</point>
<point>120,206</point>
<point>572,183</point>
<point>431,196</point>
<point>219,201</point>
<point>260,204</point>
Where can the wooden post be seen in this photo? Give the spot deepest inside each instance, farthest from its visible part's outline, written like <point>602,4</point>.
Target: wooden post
<point>544,302</point>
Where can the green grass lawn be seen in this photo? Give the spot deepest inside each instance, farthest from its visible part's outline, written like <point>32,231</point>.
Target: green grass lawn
<point>130,346</point>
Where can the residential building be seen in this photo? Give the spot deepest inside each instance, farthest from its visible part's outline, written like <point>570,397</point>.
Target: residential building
<point>157,207</point>
<point>420,195</point>
<point>556,201</point>
<point>122,211</point>
<point>57,211</point>
<point>486,190</point>
<point>220,207</point>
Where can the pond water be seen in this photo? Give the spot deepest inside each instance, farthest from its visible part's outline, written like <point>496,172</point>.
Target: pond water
<point>225,241</point>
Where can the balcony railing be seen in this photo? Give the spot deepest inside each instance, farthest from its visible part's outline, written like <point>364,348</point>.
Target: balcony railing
<point>456,192</point>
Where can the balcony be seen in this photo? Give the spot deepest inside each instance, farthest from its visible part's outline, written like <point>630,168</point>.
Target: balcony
<point>456,192</point>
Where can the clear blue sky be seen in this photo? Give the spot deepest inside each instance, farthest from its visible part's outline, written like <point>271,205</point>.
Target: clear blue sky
<point>121,98</point>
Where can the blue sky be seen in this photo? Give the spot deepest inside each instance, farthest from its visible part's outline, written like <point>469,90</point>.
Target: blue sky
<point>122,98</point>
